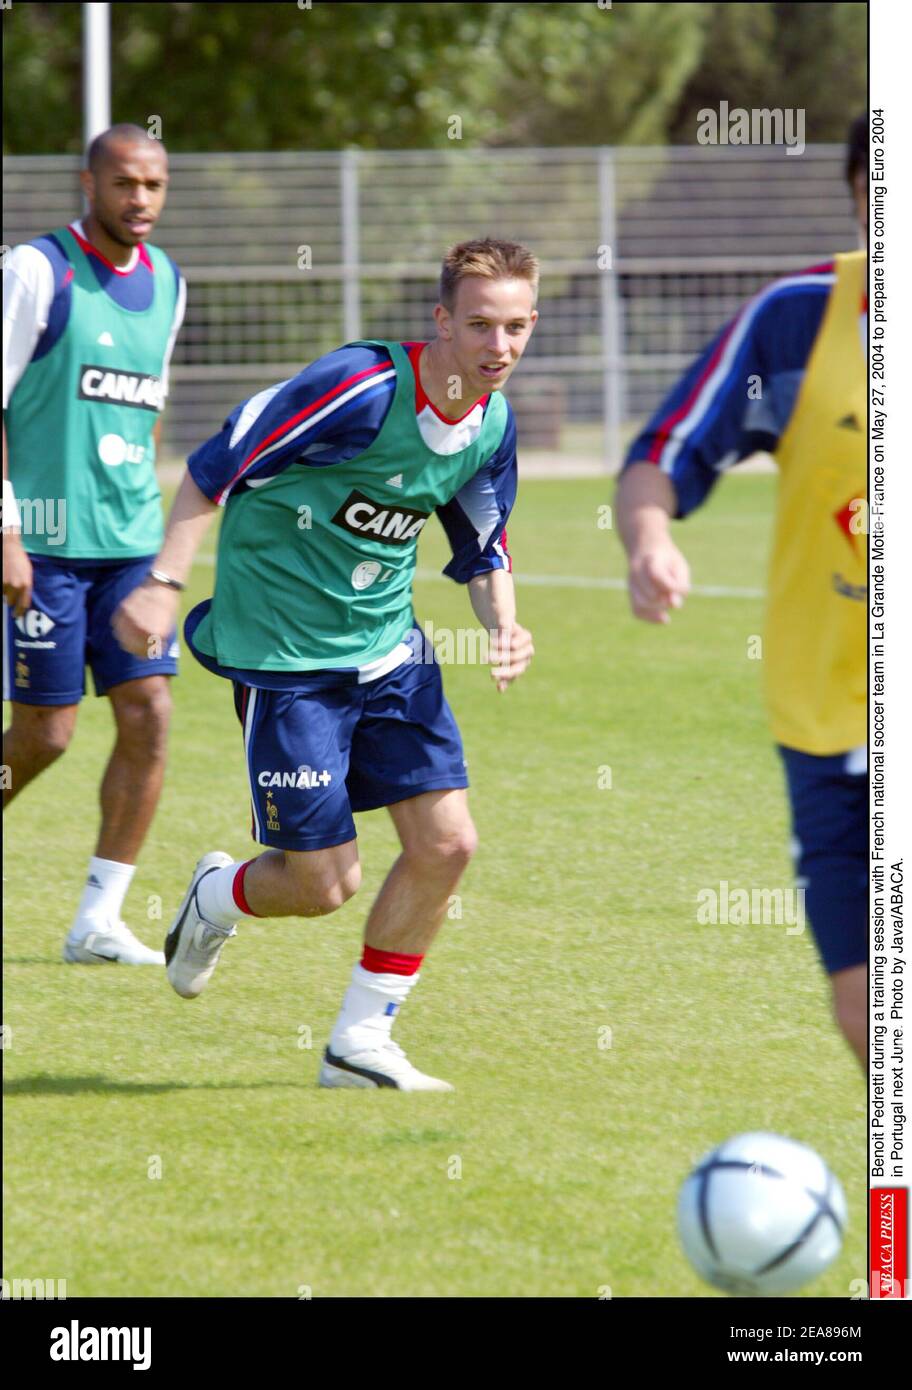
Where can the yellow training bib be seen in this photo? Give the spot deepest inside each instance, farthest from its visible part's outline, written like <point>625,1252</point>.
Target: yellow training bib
<point>816,622</point>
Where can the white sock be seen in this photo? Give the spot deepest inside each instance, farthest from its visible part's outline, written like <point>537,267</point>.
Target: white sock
<point>215,896</point>
<point>368,1010</point>
<point>102,898</point>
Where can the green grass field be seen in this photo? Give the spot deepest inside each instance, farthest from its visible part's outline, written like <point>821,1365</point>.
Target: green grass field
<point>578,915</point>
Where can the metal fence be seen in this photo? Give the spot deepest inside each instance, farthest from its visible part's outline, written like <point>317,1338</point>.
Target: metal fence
<point>645,254</point>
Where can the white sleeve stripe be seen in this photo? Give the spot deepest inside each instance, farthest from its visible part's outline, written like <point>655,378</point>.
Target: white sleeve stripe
<point>706,395</point>
<point>300,429</point>
<point>28,292</point>
<point>481,509</point>
<point>253,410</point>
<point>179,309</point>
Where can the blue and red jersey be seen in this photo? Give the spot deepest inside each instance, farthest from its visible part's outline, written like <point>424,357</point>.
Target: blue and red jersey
<point>738,396</point>
<point>333,411</point>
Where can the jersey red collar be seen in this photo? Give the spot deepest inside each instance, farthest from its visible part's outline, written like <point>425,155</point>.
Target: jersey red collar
<point>142,259</point>
<point>422,399</point>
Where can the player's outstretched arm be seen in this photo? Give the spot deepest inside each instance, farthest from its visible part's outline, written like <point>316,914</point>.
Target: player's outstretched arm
<point>148,614</point>
<point>494,601</point>
<point>659,577</point>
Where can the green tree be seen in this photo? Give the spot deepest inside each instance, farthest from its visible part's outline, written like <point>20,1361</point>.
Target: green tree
<point>392,76</point>
<point>581,75</point>
<point>809,56</point>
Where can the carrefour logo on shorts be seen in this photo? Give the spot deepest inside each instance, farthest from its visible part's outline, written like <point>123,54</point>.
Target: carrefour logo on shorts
<point>303,777</point>
<point>379,521</point>
<point>124,388</point>
<point>34,623</point>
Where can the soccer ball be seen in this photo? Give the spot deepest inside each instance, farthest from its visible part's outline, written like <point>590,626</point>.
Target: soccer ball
<point>761,1215</point>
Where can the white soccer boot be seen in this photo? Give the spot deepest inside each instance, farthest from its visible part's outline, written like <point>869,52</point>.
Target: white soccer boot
<point>193,945</point>
<point>110,943</point>
<point>385,1064</point>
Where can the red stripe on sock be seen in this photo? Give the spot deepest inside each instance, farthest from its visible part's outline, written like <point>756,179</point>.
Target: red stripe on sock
<point>389,962</point>
<point>237,889</point>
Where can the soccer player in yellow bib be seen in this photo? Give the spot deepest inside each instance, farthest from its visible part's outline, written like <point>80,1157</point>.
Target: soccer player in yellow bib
<point>805,337</point>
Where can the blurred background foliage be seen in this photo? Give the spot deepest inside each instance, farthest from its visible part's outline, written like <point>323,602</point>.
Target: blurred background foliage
<point>391,76</point>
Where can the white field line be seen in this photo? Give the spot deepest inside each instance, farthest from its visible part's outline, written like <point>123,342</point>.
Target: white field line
<point>576,581</point>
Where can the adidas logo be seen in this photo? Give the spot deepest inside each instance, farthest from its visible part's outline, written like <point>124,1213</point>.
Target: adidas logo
<point>93,882</point>
<point>105,339</point>
<point>395,482</point>
<point>849,422</point>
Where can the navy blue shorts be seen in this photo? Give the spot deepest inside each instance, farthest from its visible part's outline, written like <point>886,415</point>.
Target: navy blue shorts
<point>317,754</point>
<point>68,627</point>
<point>830,830</point>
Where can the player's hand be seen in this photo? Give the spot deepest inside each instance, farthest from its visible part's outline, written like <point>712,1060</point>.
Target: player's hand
<point>659,580</point>
<point>510,654</point>
<point>146,618</point>
<point>17,575</point>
